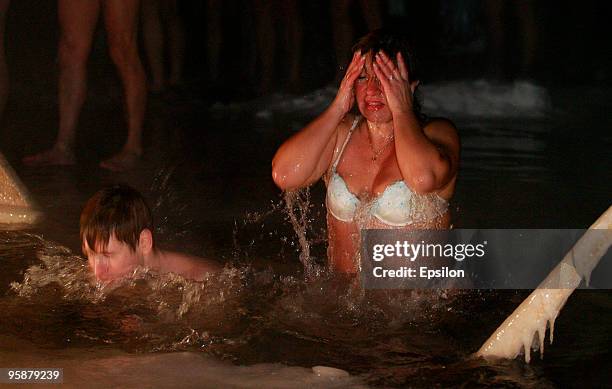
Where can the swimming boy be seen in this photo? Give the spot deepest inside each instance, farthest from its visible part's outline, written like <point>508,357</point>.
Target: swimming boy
<point>117,236</point>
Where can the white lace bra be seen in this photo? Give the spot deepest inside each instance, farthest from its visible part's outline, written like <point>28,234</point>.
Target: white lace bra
<point>397,206</point>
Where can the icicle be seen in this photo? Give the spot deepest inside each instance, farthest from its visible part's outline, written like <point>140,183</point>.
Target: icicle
<point>543,305</point>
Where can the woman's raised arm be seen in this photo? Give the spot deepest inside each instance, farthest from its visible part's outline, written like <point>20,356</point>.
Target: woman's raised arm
<point>428,157</point>
<point>306,156</point>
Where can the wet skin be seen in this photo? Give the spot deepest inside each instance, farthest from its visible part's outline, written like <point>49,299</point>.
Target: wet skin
<point>118,260</point>
<point>388,146</point>
<point>114,261</point>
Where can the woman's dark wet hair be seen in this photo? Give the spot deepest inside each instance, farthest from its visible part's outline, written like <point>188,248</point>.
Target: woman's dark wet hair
<point>392,42</point>
<point>117,210</point>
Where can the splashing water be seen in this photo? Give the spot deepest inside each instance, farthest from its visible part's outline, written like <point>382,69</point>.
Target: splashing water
<point>61,267</point>
<point>239,315</point>
<point>175,217</point>
<point>298,206</point>
<point>145,311</point>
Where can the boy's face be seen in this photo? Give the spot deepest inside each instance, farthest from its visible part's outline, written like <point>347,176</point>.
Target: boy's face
<point>115,261</point>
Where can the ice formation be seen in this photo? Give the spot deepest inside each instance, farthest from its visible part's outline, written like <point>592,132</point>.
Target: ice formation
<point>543,305</point>
<point>15,206</point>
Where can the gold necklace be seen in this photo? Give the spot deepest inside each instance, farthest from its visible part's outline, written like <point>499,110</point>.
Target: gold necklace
<point>376,154</point>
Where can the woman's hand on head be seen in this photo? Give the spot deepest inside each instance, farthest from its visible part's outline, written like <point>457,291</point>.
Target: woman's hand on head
<point>396,83</point>
<point>307,155</point>
<point>345,98</point>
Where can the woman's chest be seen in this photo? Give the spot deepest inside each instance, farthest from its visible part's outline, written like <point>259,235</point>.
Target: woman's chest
<point>367,175</point>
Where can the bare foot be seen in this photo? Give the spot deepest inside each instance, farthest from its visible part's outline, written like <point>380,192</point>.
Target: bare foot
<point>52,157</point>
<point>123,161</point>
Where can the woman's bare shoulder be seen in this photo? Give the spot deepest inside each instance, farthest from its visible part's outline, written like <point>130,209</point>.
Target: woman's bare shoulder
<point>342,131</point>
<point>440,124</point>
<point>442,131</point>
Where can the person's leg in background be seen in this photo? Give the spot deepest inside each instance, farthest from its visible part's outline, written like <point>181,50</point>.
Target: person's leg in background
<point>121,21</point>
<point>153,40</point>
<point>176,41</point>
<point>77,21</point>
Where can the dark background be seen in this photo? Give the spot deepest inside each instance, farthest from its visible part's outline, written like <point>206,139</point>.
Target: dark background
<point>221,159</point>
<point>573,43</point>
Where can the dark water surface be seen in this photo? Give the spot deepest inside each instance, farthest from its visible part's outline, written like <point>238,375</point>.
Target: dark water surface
<point>207,176</point>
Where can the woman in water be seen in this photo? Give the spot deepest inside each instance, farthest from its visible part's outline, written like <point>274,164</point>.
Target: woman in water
<point>386,166</point>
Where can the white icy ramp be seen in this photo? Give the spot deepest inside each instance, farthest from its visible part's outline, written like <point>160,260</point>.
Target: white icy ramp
<point>15,206</point>
<point>541,308</point>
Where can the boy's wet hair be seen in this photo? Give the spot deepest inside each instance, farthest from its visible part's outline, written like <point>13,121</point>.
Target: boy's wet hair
<point>117,210</point>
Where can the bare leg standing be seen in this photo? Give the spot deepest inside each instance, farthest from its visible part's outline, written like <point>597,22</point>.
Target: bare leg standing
<point>176,41</point>
<point>121,21</point>
<point>77,20</point>
<point>153,39</point>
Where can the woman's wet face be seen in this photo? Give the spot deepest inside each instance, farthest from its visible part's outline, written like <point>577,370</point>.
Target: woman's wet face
<point>370,96</point>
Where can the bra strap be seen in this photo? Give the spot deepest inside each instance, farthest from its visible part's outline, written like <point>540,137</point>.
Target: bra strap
<point>353,126</point>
